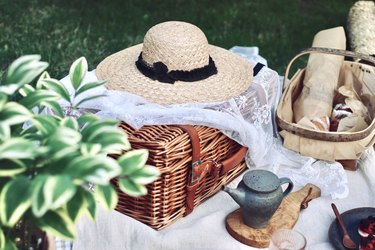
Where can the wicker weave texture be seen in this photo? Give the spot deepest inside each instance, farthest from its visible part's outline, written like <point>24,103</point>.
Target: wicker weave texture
<point>170,151</point>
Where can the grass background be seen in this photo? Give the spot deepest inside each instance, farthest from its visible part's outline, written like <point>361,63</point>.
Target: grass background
<point>63,30</point>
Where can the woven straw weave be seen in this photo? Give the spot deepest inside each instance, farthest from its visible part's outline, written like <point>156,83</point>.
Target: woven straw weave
<point>361,27</point>
<point>170,150</point>
<point>181,47</point>
<point>160,45</point>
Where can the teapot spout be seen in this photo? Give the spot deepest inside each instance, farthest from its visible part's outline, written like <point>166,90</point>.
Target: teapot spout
<point>238,195</point>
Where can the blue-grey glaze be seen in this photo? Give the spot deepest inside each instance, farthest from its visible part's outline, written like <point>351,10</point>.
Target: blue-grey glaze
<point>259,194</point>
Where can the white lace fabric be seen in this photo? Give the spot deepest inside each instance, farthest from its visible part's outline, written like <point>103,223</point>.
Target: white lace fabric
<point>247,119</point>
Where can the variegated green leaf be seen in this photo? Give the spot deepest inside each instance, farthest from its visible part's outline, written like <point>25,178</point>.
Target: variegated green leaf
<point>77,205</point>
<point>58,224</point>
<point>40,205</point>
<point>107,196</point>
<point>28,73</point>
<point>112,139</point>
<point>9,89</point>
<point>25,69</point>
<point>23,60</point>
<point>90,205</point>
<point>58,190</point>
<point>92,127</point>
<point>43,76</point>
<point>2,239</point>
<point>53,105</point>
<point>45,124</point>
<point>11,167</point>
<point>57,87</point>
<point>64,154</point>
<point>77,105</point>
<point>26,89</point>
<point>64,136</point>
<point>114,148</point>
<point>78,71</point>
<point>90,148</point>
<point>95,169</point>
<point>132,161</point>
<point>17,148</point>
<point>105,131</point>
<point>69,122</point>
<point>14,113</point>
<point>31,129</point>
<point>15,199</point>
<point>4,131</point>
<point>131,188</point>
<point>89,86</point>
<point>3,100</point>
<point>35,98</point>
<point>87,118</point>
<point>145,175</point>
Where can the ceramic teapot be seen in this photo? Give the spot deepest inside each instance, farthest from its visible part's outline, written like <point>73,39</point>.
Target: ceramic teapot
<point>259,194</point>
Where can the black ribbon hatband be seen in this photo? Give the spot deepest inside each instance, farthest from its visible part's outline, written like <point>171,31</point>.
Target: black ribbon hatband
<point>159,71</point>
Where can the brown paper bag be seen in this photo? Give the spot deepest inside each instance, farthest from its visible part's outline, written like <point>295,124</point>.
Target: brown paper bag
<point>314,106</point>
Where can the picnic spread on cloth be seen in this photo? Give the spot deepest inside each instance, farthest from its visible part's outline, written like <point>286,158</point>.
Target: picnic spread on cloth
<point>236,95</point>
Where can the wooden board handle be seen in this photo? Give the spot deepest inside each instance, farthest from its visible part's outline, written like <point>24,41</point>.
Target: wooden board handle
<point>305,195</point>
<point>286,216</point>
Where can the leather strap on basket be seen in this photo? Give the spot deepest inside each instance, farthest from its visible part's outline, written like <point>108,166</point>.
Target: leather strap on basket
<point>199,169</point>
<point>325,136</point>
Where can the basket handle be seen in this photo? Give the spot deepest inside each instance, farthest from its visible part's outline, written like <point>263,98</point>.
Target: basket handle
<point>200,169</point>
<point>232,161</point>
<point>337,52</point>
<point>326,136</point>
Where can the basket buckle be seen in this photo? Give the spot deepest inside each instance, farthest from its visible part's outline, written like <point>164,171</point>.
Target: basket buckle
<point>200,169</point>
<point>196,170</point>
<point>217,168</point>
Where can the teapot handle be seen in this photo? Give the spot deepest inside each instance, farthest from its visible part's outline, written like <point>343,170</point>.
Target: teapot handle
<point>290,186</point>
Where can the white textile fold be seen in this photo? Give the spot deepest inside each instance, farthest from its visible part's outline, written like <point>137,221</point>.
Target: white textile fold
<point>247,118</point>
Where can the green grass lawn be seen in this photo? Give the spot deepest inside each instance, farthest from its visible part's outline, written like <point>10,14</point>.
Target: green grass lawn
<point>63,30</point>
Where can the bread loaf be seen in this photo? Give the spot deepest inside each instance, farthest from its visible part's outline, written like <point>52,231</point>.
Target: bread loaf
<point>321,78</point>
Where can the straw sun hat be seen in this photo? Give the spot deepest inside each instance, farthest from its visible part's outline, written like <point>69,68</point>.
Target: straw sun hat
<point>175,64</point>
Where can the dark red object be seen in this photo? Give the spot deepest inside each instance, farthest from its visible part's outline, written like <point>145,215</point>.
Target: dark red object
<point>368,243</point>
<point>366,229</point>
<point>367,226</point>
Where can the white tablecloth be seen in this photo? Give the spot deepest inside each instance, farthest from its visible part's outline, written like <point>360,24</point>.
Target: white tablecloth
<point>205,227</point>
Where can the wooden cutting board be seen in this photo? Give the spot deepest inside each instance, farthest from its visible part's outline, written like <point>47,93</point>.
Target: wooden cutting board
<point>285,217</point>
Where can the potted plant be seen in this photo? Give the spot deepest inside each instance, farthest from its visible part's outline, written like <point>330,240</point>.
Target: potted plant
<point>49,161</point>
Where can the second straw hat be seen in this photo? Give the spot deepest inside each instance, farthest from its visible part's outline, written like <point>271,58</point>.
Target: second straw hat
<point>174,65</point>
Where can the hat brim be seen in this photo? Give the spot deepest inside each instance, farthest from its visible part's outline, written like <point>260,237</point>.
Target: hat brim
<point>233,78</point>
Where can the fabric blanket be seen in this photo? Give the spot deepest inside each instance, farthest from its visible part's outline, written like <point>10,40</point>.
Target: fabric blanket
<point>205,227</point>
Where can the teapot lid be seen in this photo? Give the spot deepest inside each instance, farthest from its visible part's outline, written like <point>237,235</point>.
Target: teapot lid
<point>261,180</point>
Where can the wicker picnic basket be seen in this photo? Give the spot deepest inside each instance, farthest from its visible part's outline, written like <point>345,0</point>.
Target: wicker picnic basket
<point>194,161</point>
<point>344,147</point>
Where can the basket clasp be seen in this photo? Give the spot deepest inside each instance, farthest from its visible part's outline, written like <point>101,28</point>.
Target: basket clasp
<point>200,169</point>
